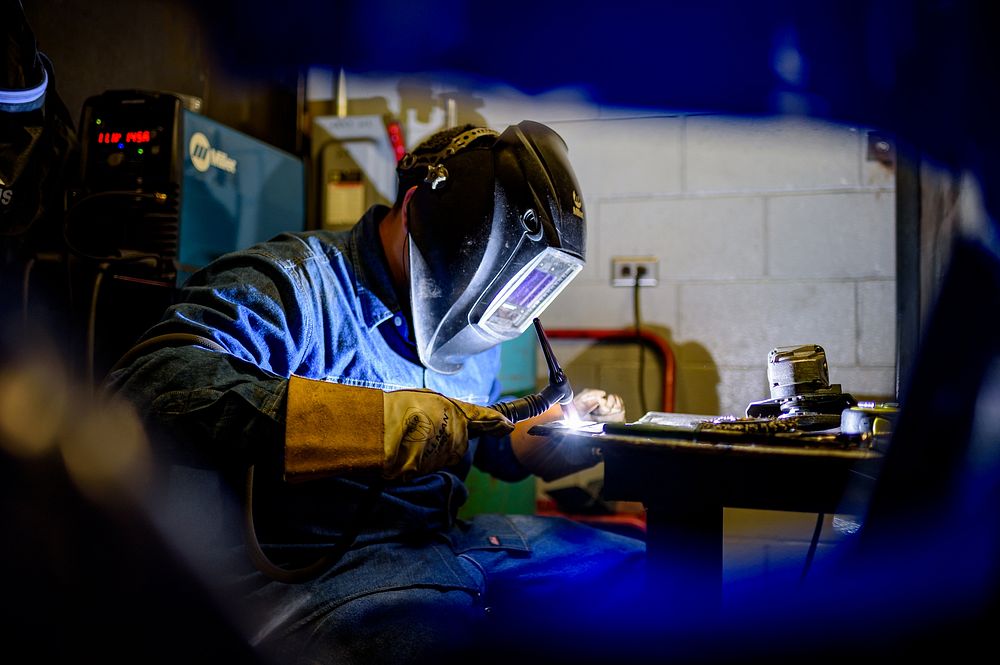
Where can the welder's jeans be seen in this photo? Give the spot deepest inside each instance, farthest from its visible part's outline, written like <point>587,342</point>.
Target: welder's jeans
<point>501,588</point>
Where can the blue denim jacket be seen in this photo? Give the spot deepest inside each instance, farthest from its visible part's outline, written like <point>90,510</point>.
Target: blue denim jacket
<point>320,305</point>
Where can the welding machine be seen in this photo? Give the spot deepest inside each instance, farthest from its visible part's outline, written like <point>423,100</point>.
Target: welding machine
<point>166,190</point>
<point>162,191</point>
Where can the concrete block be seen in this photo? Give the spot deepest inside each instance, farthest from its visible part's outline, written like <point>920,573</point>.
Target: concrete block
<point>625,157</point>
<point>599,305</point>
<point>739,323</point>
<point>581,374</point>
<point>611,112</point>
<point>831,235</point>
<point>877,323</point>
<point>621,378</point>
<point>658,307</point>
<point>727,154</point>
<point>620,375</point>
<point>876,384</point>
<point>696,390</point>
<point>578,363</point>
<point>738,387</point>
<point>704,238</point>
<point>613,367</point>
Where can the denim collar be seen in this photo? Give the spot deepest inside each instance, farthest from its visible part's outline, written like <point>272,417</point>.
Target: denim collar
<point>374,283</point>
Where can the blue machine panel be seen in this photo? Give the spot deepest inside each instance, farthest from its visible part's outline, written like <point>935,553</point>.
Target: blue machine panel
<point>236,191</point>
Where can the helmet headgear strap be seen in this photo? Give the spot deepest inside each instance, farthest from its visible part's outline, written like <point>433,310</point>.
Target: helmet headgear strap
<point>437,174</point>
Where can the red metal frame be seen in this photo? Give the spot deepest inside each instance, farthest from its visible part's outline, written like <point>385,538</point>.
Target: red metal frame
<point>643,335</point>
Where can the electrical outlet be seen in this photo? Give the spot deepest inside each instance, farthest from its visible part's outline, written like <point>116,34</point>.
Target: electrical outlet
<point>625,270</point>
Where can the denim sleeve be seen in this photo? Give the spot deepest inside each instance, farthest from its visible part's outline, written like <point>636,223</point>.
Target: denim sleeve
<point>210,408</point>
<point>212,405</point>
<point>494,454</point>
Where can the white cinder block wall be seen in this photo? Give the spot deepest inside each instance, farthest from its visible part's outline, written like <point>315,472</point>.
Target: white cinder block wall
<point>769,232</point>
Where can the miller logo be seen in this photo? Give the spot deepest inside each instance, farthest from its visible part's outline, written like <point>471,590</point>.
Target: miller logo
<point>203,155</point>
<point>577,205</point>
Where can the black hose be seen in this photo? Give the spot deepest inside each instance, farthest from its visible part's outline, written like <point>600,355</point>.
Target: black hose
<point>91,342</point>
<point>812,545</point>
<point>533,405</point>
<point>69,218</point>
<point>254,550</point>
<point>558,390</point>
<point>324,562</point>
<point>169,339</point>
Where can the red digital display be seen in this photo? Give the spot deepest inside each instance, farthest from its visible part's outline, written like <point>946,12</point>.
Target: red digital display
<point>136,137</point>
<point>396,139</point>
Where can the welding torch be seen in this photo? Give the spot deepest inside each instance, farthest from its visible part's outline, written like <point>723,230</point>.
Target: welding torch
<point>558,390</point>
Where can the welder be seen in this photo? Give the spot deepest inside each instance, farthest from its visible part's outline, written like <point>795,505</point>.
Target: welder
<point>338,382</point>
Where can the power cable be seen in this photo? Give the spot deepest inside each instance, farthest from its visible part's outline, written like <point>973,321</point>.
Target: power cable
<point>73,211</point>
<point>330,555</point>
<point>812,545</point>
<point>91,342</point>
<point>263,563</point>
<point>637,317</point>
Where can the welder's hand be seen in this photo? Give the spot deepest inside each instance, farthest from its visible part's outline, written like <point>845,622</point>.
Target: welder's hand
<point>597,405</point>
<point>333,429</point>
<point>425,431</point>
<point>554,457</point>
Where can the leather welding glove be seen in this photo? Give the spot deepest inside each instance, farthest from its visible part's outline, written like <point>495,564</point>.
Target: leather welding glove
<point>333,429</point>
<point>551,458</point>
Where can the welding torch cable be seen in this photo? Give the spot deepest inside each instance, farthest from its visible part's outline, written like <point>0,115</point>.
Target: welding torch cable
<point>254,550</point>
<point>525,407</point>
<point>91,334</point>
<point>330,555</point>
<point>162,341</point>
<point>28,271</point>
<point>91,341</point>
<point>69,218</point>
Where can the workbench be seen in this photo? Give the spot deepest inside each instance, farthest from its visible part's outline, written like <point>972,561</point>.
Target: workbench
<point>685,484</point>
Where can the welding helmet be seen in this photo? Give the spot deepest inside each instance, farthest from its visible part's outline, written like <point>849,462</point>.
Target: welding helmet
<point>497,230</point>
<point>36,132</point>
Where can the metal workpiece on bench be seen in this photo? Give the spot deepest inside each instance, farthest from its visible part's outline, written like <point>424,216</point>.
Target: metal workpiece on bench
<point>685,484</point>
